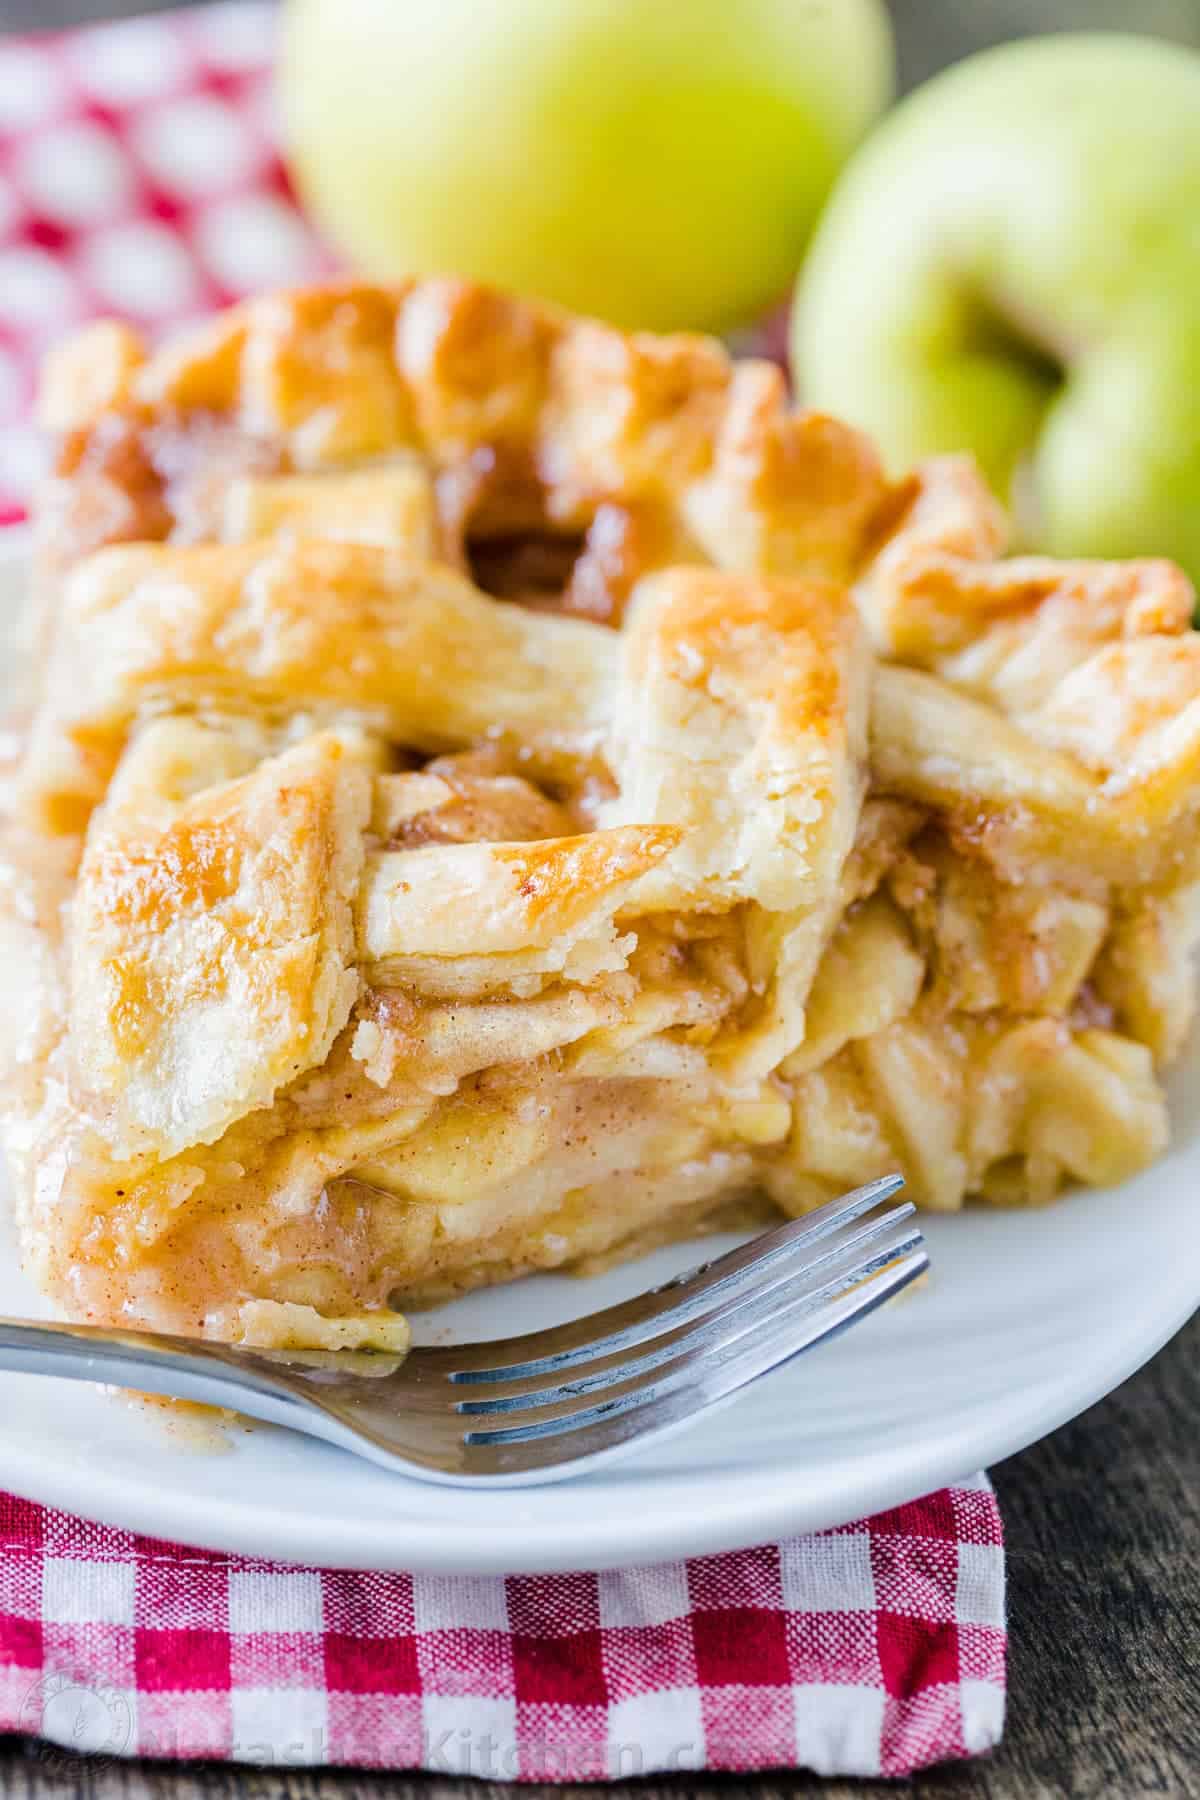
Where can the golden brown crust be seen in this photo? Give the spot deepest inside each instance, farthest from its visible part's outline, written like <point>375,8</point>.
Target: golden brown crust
<point>570,413</point>
<point>741,717</point>
<point>535,909</point>
<point>322,629</point>
<point>771,887</point>
<point>212,942</point>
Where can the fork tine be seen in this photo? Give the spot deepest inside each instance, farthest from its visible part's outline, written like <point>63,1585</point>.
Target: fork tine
<point>723,1324</point>
<point>704,1378</point>
<point>687,1295</point>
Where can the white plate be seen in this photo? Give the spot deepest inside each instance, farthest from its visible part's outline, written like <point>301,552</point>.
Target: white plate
<point>1027,1319</point>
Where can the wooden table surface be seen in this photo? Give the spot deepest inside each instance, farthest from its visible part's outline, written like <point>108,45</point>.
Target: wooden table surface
<point>1103,1527</point>
<point>1103,1519</point>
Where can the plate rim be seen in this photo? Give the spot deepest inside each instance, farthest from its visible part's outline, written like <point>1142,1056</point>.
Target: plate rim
<point>498,1547</point>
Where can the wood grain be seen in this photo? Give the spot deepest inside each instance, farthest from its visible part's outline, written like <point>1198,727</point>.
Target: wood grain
<point>1103,1524</point>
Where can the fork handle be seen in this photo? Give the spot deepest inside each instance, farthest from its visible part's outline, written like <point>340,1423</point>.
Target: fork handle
<point>154,1363</point>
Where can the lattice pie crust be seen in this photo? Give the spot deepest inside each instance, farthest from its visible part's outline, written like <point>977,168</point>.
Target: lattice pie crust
<point>500,791</point>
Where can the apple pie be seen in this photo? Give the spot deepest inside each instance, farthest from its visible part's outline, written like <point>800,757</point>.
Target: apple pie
<point>499,792</point>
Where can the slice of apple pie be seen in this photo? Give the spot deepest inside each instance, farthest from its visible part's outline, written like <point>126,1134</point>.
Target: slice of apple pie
<point>500,792</point>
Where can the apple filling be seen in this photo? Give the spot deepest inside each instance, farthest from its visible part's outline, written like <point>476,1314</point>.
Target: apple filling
<point>565,795</point>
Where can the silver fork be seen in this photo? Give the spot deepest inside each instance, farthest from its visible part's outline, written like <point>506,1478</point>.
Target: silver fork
<point>548,1404</point>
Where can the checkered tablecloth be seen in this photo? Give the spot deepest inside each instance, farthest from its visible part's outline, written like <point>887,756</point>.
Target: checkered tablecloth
<point>139,176</point>
<point>873,1650</point>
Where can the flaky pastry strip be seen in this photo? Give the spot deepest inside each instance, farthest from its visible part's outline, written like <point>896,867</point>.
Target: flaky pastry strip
<point>408,648</point>
<point>741,716</point>
<point>577,412</point>
<point>442,913</point>
<point>938,582</point>
<point>1092,658</point>
<point>212,954</point>
<point>390,505</point>
<point>1022,800</point>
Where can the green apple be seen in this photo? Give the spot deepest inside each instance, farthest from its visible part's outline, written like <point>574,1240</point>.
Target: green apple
<point>1011,265</point>
<point>657,162</point>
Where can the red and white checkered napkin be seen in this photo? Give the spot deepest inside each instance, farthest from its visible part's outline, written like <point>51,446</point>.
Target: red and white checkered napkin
<point>873,1650</point>
<point>139,175</point>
